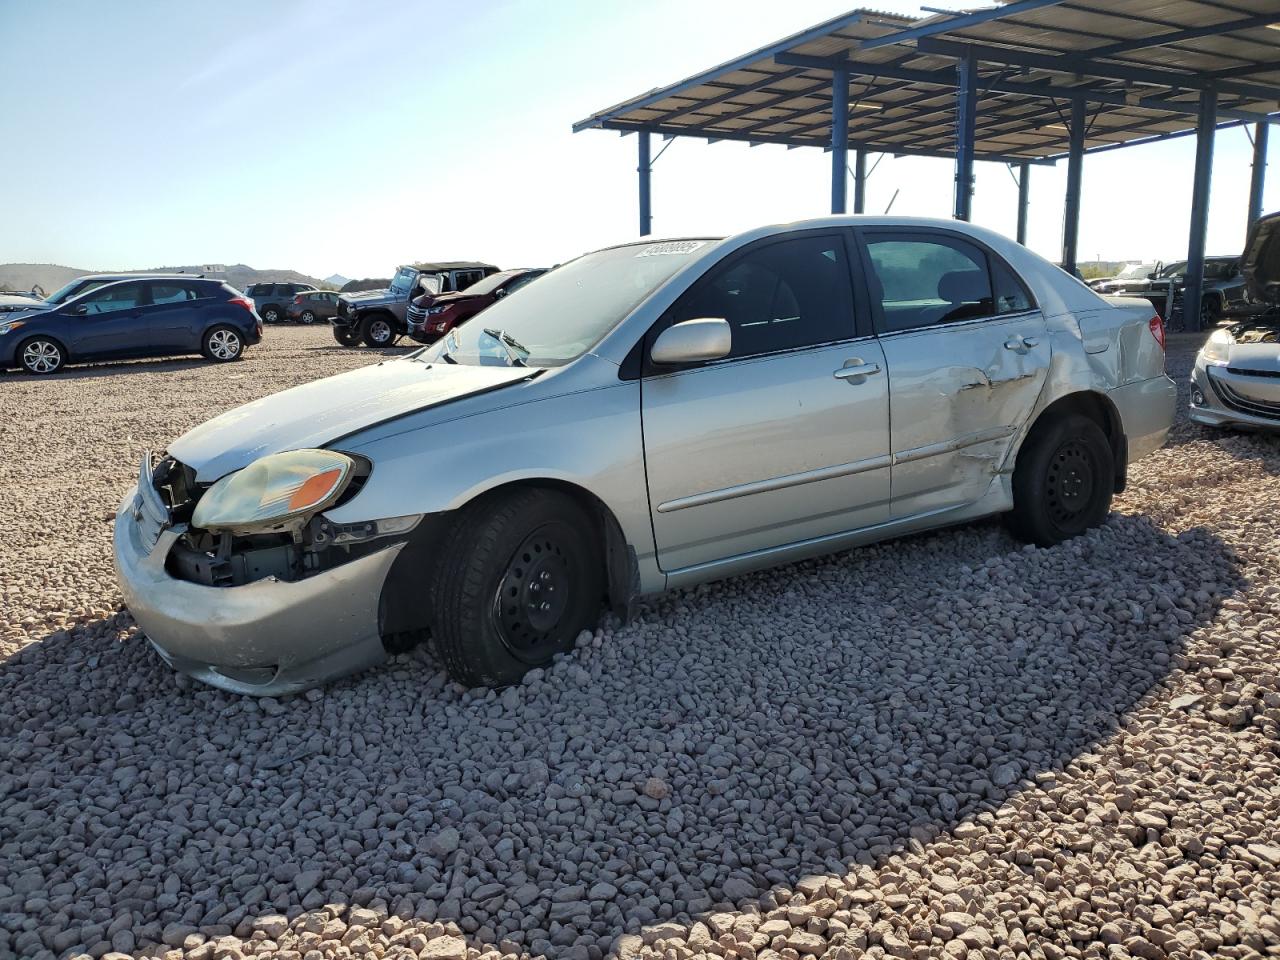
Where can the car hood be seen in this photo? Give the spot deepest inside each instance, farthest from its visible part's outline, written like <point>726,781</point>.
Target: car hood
<point>368,296</point>
<point>1261,265</point>
<point>444,299</point>
<point>317,414</point>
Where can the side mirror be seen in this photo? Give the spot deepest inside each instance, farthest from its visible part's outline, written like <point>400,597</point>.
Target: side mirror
<point>693,340</point>
<point>1151,276</point>
<point>500,293</point>
<point>79,310</point>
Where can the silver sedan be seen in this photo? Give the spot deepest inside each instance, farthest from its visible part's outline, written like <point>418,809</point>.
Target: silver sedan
<point>643,418</point>
<point>1236,380</point>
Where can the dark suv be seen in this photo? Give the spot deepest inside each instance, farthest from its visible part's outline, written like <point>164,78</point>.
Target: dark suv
<point>272,299</point>
<point>151,317</point>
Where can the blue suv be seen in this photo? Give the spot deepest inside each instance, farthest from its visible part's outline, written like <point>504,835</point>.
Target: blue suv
<point>149,317</point>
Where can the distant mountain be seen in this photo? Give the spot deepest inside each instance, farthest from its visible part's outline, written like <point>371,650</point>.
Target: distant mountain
<point>51,276</point>
<point>337,280</point>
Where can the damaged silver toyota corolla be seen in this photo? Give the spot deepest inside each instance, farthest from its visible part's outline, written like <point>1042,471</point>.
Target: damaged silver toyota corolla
<point>645,417</point>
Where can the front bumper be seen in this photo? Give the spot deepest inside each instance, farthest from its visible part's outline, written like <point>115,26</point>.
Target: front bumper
<point>1221,398</point>
<point>265,638</point>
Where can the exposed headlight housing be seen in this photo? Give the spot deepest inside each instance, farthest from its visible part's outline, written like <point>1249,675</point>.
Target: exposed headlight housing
<point>8,326</point>
<point>1217,349</point>
<point>277,493</point>
<point>436,311</point>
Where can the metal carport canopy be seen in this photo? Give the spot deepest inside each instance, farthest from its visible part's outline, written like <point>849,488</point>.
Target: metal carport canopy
<point>1026,82</point>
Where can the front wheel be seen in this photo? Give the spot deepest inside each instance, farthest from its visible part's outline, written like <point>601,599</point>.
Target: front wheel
<point>271,315</point>
<point>347,336</point>
<point>41,355</point>
<point>1063,481</point>
<point>1210,311</point>
<point>222,345</point>
<point>519,578</point>
<point>377,332</point>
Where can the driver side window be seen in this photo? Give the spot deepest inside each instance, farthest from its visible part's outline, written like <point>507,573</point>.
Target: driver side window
<point>113,299</point>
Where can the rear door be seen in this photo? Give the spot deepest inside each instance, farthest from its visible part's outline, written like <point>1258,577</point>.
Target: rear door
<point>967,356</point>
<point>109,322</point>
<point>175,315</point>
<point>777,443</point>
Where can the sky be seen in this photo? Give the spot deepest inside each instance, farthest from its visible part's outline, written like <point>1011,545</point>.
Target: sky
<point>349,136</point>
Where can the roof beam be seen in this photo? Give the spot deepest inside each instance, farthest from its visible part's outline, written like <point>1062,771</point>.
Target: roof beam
<point>933,27</point>
<point>1081,66</point>
<point>697,105</point>
<point>1191,33</point>
<point>1160,137</point>
<point>906,151</point>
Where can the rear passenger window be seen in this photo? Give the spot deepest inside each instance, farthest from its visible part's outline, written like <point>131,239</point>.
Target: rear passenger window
<point>172,293</point>
<point>778,296</point>
<point>1011,295</point>
<point>925,281</point>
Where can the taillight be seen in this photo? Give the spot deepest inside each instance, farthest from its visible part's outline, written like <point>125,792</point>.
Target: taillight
<point>297,299</point>
<point>1156,326</point>
<point>242,302</point>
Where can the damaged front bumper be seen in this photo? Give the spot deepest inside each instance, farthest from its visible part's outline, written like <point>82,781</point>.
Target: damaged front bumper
<point>267,637</point>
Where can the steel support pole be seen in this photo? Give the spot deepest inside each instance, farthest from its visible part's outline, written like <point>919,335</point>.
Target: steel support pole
<point>645,168</point>
<point>1191,293</point>
<point>839,139</point>
<point>1259,179</point>
<point>1024,199</point>
<point>1075,176</point>
<point>966,110</point>
<point>860,181</point>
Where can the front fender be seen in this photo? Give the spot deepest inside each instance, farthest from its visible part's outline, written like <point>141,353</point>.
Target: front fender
<point>589,438</point>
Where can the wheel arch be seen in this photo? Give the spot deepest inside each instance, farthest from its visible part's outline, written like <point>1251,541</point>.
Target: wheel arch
<point>1098,407</point>
<point>17,348</point>
<point>402,613</point>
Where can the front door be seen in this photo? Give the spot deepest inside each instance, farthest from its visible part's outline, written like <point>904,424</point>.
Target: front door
<point>777,443</point>
<point>967,355</point>
<point>108,322</point>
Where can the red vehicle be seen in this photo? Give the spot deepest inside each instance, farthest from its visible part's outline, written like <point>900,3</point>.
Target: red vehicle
<point>431,316</point>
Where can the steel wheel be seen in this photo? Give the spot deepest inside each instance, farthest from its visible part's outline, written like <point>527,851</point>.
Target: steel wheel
<point>41,356</point>
<point>533,595</point>
<point>222,344</point>
<point>1069,483</point>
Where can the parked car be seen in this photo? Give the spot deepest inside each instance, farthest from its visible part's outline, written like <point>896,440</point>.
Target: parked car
<point>1133,276</point>
<point>272,299</point>
<point>643,418</point>
<point>313,306</point>
<point>431,316</point>
<point>1236,378</point>
<point>78,286</point>
<point>1224,293</point>
<point>133,318</point>
<point>380,317</point>
<point>14,303</point>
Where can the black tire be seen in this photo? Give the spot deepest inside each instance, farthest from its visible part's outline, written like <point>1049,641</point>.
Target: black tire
<point>307,317</point>
<point>41,356</point>
<point>496,612</point>
<point>378,331</point>
<point>222,344</point>
<point>1063,481</point>
<point>271,313</point>
<point>347,336</point>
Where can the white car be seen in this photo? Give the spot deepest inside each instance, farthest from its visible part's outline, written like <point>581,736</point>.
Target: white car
<point>645,417</point>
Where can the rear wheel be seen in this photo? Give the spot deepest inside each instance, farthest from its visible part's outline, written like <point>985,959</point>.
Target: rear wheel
<point>1063,481</point>
<point>41,355</point>
<point>222,345</point>
<point>307,317</point>
<point>347,336</point>
<point>377,331</point>
<point>519,578</point>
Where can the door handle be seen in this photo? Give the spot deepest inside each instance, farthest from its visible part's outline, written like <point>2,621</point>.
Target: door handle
<point>856,369</point>
<point>1020,343</point>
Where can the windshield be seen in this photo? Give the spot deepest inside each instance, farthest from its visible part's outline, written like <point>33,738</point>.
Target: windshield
<point>1135,270</point>
<point>568,310</point>
<point>1174,270</point>
<point>402,282</point>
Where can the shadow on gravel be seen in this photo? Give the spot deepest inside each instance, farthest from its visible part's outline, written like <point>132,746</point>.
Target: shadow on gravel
<point>94,370</point>
<point>729,742</point>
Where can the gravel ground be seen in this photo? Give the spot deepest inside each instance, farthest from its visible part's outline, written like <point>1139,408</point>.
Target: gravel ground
<point>949,746</point>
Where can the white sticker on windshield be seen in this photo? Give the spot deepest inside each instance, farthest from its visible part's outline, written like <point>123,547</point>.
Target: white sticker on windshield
<point>671,247</point>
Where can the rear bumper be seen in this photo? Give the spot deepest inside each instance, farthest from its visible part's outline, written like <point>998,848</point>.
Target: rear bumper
<point>265,638</point>
<point>1147,410</point>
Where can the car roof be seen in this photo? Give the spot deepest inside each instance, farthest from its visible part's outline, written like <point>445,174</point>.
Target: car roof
<point>453,265</point>
<point>112,277</point>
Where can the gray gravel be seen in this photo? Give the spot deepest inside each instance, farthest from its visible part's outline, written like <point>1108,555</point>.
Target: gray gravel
<point>948,746</point>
